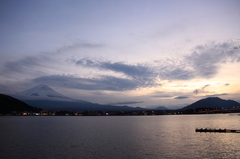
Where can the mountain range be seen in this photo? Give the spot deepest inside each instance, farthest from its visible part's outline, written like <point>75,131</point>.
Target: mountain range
<point>44,97</point>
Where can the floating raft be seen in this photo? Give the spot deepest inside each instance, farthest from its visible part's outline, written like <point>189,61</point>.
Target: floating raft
<point>217,130</point>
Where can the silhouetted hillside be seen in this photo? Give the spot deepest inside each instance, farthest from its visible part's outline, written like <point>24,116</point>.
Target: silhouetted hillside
<point>213,102</point>
<point>9,104</point>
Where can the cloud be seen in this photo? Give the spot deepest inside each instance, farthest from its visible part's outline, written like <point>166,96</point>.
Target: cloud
<point>101,83</point>
<point>196,91</point>
<point>44,60</point>
<point>180,97</point>
<point>27,67</point>
<point>162,96</point>
<point>139,71</point>
<point>227,84</point>
<point>215,95</point>
<point>144,72</point>
<point>205,86</point>
<point>173,69</point>
<point>176,74</point>
<point>206,59</point>
<point>126,103</point>
<point>4,88</point>
<point>142,75</point>
<point>78,45</point>
<point>203,62</point>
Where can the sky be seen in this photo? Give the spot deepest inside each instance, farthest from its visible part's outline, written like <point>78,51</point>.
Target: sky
<point>145,53</point>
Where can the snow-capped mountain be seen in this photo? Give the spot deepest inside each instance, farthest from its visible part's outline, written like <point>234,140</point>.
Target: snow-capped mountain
<point>43,91</point>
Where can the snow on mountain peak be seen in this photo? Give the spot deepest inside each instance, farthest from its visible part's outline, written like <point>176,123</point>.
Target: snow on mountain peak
<point>42,91</point>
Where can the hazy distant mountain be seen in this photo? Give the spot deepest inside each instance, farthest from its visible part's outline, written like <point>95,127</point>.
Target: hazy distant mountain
<point>212,102</point>
<point>161,108</point>
<point>9,104</point>
<point>46,98</point>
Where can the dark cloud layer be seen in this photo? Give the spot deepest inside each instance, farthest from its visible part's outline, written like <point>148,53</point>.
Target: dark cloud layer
<point>138,75</point>
<point>216,95</point>
<point>139,72</point>
<point>206,59</point>
<point>180,97</point>
<point>44,60</point>
<point>26,63</point>
<point>204,62</point>
<point>102,83</point>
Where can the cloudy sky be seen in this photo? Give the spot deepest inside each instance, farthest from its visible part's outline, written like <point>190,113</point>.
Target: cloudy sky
<point>139,53</point>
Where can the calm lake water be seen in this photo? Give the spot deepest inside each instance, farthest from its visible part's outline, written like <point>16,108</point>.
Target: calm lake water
<point>123,137</point>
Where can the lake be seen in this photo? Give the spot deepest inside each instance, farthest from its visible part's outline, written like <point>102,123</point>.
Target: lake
<point>120,137</point>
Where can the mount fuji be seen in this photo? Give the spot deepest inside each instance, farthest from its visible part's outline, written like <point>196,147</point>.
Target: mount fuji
<point>42,96</point>
<point>43,91</point>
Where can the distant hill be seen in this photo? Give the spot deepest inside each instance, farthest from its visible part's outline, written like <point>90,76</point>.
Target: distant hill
<point>161,108</point>
<point>213,102</point>
<point>9,104</point>
<point>77,106</point>
<point>44,97</point>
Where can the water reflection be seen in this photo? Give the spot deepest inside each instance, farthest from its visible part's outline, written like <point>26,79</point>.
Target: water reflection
<point>119,137</point>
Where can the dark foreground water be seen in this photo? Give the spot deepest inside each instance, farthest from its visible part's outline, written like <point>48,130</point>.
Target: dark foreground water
<point>120,137</point>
